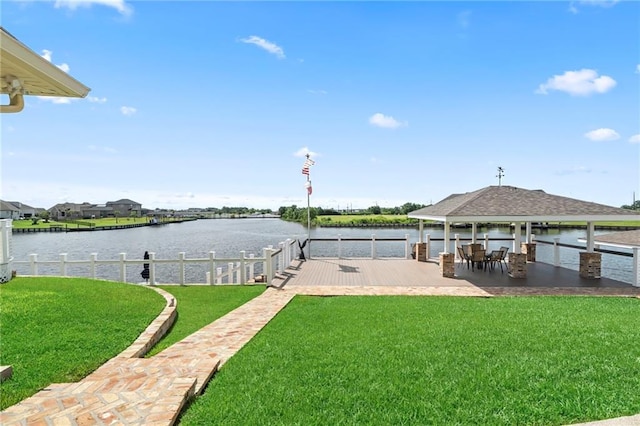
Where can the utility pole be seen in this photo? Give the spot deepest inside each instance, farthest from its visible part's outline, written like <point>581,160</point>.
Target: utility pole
<point>499,175</point>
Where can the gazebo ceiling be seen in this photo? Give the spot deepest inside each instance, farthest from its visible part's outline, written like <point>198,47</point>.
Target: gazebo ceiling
<point>511,204</point>
<point>24,72</point>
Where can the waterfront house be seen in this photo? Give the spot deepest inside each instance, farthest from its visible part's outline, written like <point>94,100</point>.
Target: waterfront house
<point>125,208</point>
<point>8,210</point>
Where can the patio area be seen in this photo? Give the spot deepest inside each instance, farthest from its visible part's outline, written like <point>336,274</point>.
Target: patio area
<point>389,276</point>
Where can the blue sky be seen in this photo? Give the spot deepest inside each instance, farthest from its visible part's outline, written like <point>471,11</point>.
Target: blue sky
<point>211,104</point>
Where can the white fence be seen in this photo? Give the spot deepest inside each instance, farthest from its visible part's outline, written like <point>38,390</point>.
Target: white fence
<point>238,270</point>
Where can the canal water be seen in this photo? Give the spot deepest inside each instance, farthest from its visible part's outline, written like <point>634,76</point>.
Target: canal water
<point>227,237</point>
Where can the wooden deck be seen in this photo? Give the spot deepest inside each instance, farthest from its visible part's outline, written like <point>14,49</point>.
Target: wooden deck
<point>389,276</point>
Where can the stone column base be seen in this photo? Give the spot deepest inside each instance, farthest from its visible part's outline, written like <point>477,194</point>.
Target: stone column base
<point>517,265</point>
<point>530,250</point>
<point>590,265</point>
<point>447,265</point>
<point>421,252</point>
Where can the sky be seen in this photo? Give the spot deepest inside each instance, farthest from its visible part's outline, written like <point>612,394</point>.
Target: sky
<point>211,104</point>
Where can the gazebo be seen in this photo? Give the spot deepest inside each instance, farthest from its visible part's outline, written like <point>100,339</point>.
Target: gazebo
<point>509,204</point>
<point>24,72</point>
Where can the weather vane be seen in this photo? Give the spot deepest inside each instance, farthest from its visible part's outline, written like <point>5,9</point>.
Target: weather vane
<point>499,175</point>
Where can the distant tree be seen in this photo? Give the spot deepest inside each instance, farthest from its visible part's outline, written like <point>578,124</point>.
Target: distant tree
<point>374,210</point>
<point>44,215</point>
<point>634,206</point>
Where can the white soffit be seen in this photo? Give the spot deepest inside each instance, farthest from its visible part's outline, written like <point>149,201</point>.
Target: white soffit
<point>37,75</point>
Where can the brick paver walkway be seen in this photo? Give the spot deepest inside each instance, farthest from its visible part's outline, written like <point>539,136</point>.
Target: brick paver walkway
<point>136,391</point>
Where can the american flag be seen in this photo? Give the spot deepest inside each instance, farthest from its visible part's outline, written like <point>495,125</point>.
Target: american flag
<point>305,167</point>
<point>308,186</point>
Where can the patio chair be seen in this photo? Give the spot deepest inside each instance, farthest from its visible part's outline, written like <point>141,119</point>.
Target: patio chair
<point>478,258</point>
<point>496,256</point>
<point>464,257</point>
<point>500,258</point>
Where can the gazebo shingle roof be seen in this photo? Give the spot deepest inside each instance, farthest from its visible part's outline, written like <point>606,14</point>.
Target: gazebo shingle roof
<point>509,203</point>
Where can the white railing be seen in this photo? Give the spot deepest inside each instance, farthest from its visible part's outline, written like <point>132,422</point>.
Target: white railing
<point>237,270</point>
<point>373,241</point>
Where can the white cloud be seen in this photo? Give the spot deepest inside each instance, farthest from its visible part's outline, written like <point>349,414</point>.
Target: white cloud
<point>127,110</point>
<point>464,18</point>
<point>600,3</point>
<point>96,100</point>
<point>106,149</point>
<point>57,99</point>
<point>302,152</point>
<point>317,92</point>
<point>601,135</point>
<point>578,83</point>
<point>638,69</point>
<point>266,45</point>
<point>574,171</point>
<point>47,54</point>
<point>120,5</point>
<point>635,138</point>
<point>385,121</point>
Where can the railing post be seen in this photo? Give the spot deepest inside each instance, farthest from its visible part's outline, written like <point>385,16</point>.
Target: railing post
<point>218,275</point>
<point>252,263</point>
<point>33,260</point>
<point>231,273</point>
<point>152,268</point>
<point>486,242</point>
<point>407,247</point>
<point>281,259</point>
<point>373,246</point>
<point>339,246</point>
<point>212,267</point>
<point>63,264</point>
<point>428,246</point>
<point>243,268</point>
<point>123,267</point>
<point>635,279</point>
<point>181,257</point>
<point>269,266</point>
<point>556,251</point>
<point>456,254</point>
<point>92,266</point>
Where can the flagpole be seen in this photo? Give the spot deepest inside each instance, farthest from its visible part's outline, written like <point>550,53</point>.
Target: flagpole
<point>308,213</point>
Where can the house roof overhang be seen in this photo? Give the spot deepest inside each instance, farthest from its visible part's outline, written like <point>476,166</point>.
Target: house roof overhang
<point>24,72</point>
<point>622,239</point>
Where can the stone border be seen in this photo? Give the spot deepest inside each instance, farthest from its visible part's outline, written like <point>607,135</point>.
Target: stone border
<point>156,330</point>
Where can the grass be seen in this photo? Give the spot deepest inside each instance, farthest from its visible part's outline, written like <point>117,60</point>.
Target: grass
<point>58,330</point>
<point>201,305</point>
<point>90,223</point>
<point>360,219</point>
<point>433,360</point>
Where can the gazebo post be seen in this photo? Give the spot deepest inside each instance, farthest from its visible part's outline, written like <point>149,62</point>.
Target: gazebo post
<point>474,231</point>
<point>529,247</point>
<point>447,261</point>
<point>517,260</point>
<point>420,230</point>
<point>590,261</point>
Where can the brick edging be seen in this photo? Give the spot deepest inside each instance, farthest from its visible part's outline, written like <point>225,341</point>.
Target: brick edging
<point>156,330</point>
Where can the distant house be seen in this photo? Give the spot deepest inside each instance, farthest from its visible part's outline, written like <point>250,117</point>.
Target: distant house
<point>97,211</point>
<point>23,210</point>
<point>26,211</point>
<point>125,208</point>
<point>8,210</point>
<point>69,211</point>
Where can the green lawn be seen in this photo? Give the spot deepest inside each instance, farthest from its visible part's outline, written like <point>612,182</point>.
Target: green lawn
<point>201,305</point>
<point>433,360</point>
<point>58,330</point>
